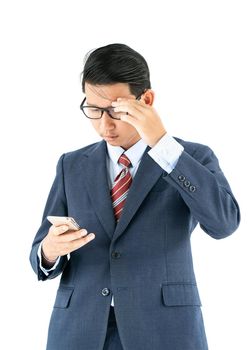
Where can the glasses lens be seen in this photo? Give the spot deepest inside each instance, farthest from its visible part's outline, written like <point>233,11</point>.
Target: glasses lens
<point>96,113</point>
<point>115,115</point>
<point>92,112</point>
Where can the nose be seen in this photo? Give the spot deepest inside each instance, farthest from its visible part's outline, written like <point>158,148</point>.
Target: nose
<point>107,123</point>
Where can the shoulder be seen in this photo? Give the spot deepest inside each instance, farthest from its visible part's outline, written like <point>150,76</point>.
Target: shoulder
<point>81,153</point>
<point>190,146</point>
<point>197,150</point>
<point>84,151</point>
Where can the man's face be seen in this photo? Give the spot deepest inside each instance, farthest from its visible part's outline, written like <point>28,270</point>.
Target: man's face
<point>115,132</point>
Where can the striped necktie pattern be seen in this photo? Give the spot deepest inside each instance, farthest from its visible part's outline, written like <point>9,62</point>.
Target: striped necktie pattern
<point>121,186</point>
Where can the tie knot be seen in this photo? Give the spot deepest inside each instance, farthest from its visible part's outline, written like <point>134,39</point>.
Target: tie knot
<point>123,159</point>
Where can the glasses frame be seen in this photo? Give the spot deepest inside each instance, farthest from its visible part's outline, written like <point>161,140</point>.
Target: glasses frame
<point>107,109</point>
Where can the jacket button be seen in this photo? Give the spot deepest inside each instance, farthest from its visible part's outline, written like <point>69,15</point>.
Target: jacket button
<point>192,188</point>
<point>181,178</point>
<point>105,292</point>
<point>187,183</point>
<point>116,255</point>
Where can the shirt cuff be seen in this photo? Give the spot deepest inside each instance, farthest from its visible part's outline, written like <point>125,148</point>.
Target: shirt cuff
<point>166,153</point>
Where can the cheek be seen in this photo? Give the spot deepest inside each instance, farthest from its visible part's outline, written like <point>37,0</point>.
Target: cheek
<point>127,129</point>
<point>95,124</point>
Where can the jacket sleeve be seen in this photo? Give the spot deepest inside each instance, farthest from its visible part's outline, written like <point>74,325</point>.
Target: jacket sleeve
<point>206,192</point>
<point>56,205</point>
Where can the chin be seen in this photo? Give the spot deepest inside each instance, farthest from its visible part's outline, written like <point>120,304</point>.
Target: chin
<point>112,142</point>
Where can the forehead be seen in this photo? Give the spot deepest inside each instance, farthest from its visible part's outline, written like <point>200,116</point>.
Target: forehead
<point>103,95</point>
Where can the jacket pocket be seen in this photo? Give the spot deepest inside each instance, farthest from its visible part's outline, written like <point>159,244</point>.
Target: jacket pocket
<point>180,294</point>
<point>63,297</point>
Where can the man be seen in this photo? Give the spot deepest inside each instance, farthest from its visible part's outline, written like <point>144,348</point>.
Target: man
<point>129,283</point>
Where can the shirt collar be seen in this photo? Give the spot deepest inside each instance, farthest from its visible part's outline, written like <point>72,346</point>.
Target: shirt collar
<point>134,153</point>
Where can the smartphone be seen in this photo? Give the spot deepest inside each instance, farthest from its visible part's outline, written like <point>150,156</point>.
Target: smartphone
<point>64,220</point>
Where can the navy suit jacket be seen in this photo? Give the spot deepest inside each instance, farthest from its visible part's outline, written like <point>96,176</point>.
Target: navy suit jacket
<point>157,304</point>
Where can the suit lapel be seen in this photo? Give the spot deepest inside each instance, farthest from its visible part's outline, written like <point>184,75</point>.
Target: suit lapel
<point>95,171</point>
<point>145,178</point>
<point>98,188</point>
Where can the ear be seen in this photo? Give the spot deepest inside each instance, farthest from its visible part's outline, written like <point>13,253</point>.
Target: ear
<point>148,97</point>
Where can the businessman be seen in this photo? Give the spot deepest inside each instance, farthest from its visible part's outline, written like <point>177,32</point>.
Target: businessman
<point>127,279</point>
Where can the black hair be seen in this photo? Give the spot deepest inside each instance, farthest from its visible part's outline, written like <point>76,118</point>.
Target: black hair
<point>116,63</point>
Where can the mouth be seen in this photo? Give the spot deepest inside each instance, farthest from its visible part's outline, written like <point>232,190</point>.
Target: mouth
<point>110,137</point>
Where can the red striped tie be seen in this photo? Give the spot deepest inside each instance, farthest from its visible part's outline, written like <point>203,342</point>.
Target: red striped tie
<point>121,186</point>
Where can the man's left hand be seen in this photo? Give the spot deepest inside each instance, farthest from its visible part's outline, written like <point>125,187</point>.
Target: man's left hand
<point>143,117</point>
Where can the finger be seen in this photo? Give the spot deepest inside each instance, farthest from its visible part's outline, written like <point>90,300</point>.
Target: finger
<point>58,230</point>
<point>87,239</point>
<point>129,109</point>
<point>130,120</point>
<point>72,236</point>
<point>139,107</point>
<point>124,103</point>
<point>69,247</point>
<point>131,97</point>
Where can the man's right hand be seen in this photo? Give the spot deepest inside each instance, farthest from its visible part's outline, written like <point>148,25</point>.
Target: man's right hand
<point>61,241</point>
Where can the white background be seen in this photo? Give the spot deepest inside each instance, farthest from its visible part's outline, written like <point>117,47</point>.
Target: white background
<point>198,54</point>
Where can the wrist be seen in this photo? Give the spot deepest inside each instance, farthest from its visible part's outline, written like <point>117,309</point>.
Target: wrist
<point>48,259</point>
<point>157,138</point>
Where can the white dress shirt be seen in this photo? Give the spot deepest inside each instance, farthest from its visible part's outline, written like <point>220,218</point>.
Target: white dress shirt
<point>165,153</point>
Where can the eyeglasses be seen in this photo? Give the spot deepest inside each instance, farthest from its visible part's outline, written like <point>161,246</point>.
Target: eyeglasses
<point>93,112</point>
